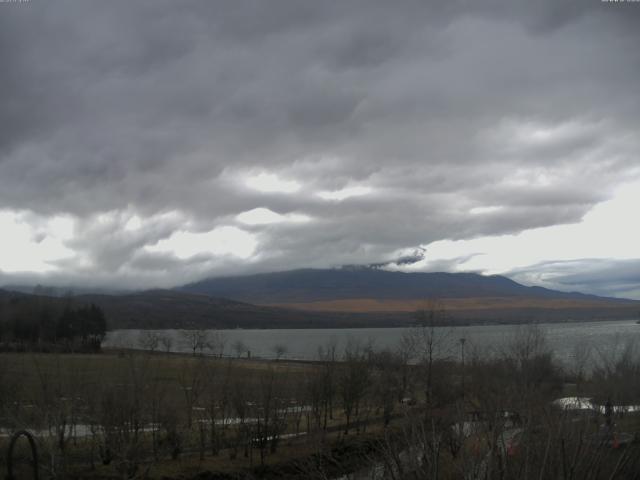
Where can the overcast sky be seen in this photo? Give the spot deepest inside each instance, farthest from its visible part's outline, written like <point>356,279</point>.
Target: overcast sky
<point>152,143</point>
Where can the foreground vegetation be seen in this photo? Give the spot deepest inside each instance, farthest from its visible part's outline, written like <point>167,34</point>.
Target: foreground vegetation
<point>411,413</point>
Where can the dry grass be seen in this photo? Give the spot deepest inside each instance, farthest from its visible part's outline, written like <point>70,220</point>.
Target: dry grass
<point>23,373</point>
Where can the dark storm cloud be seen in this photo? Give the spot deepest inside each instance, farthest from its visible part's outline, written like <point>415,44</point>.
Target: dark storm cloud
<point>148,107</point>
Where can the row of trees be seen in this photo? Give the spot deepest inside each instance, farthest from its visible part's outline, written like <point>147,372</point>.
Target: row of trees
<point>199,342</point>
<point>28,323</point>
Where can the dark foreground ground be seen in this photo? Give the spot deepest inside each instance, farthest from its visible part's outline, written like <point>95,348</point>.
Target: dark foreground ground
<point>126,414</point>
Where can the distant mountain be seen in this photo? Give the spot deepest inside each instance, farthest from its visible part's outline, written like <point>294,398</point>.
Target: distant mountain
<point>395,296</point>
<point>311,285</point>
<point>157,309</point>
<point>347,297</point>
<point>339,299</point>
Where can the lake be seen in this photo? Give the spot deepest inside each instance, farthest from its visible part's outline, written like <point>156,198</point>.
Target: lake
<point>595,339</point>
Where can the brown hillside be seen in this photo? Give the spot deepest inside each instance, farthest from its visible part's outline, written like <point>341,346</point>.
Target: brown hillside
<point>371,305</point>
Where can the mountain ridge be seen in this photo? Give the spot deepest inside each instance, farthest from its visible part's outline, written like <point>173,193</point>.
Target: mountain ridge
<point>341,298</point>
<point>313,285</point>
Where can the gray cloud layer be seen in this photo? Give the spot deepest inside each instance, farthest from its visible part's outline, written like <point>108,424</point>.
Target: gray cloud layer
<point>439,107</point>
<point>601,277</point>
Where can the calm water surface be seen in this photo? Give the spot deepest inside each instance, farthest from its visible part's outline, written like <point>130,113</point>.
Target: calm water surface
<point>567,340</point>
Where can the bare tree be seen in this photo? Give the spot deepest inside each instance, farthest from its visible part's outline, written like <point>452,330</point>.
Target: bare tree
<point>217,343</point>
<point>57,403</point>
<point>617,373</point>
<point>579,365</point>
<point>328,357</point>
<point>217,403</point>
<point>386,382</point>
<point>353,381</point>
<point>315,397</point>
<point>239,348</point>
<point>241,404</point>
<point>191,378</point>
<point>123,415</point>
<point>155,398</point>
<point>429,341</point>
<point>167,342</point>
<point>279,350</point>
<point>196,340</point>
<point>149,340</point>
